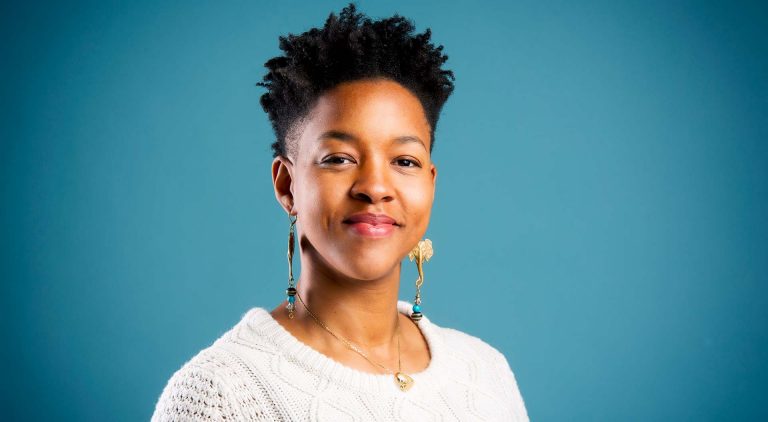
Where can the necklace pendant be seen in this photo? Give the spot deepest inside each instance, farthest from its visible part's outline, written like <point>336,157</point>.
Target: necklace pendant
<point>404,381</point>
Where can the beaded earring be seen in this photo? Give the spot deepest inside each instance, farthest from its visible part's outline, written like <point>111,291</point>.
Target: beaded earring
<point>420,253</point>
<point>291,290</point>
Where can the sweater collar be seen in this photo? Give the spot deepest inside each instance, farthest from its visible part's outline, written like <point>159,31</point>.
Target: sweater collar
<point>264,328</point>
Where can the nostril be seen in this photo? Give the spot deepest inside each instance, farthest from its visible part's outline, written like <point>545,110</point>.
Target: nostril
<point>372,187</point>
<point>363,197</point>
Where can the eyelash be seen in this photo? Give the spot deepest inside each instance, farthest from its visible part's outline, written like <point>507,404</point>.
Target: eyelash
<point>413,162</point>
<point>334,160</point>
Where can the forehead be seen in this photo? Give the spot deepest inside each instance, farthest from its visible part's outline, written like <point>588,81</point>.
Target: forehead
<point>372,111</point>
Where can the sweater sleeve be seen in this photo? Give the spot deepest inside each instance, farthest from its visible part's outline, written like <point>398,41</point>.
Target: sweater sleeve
<point>511,389</point>
<point>195,394</point>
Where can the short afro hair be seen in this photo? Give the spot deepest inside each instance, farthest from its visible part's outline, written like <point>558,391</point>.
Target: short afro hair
<point>351,47</point>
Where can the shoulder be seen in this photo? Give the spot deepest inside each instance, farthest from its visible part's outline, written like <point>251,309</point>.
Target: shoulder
<point>483,363</point>
<point>199,390</point>
<point>215,384</point>
<point>464,344</point>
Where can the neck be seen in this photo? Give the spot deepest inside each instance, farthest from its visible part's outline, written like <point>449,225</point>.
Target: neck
<point>362,311</point>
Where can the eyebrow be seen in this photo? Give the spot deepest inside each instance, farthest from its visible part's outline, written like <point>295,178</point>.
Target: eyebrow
<point>348,137</point>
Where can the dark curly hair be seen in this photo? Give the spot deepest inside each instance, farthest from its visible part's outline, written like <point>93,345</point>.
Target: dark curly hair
<point>351,47</point>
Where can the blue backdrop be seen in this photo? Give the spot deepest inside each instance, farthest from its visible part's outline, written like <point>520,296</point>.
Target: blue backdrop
<point>600,215</point>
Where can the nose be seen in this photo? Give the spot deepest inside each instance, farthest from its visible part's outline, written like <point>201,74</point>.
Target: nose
<point>372,184</point>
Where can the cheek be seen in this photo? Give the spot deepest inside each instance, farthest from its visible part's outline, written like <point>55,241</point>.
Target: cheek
<point>417,200</point>
<point>317,198</point>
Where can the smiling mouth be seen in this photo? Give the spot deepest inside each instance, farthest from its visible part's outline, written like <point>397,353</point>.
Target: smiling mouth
<point>371,225</point>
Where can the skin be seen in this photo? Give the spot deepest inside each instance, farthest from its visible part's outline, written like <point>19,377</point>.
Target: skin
<point>364,147</point>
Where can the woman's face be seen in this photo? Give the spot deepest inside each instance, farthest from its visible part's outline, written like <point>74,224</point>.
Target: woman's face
<point>361,181</point>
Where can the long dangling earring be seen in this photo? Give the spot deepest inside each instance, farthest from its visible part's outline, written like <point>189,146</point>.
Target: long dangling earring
<point>421,253</point>
<point>291,290</point>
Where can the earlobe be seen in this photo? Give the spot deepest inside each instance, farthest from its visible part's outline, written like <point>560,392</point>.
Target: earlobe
<point>282,182</point>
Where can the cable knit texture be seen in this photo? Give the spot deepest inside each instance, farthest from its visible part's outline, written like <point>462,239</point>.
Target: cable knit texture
<point>258,371</point>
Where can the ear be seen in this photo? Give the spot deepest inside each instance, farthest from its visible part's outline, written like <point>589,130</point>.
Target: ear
<point>282,181</point>
<point>433,170</point>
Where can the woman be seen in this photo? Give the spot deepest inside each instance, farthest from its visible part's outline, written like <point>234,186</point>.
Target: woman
<point>354,105</point>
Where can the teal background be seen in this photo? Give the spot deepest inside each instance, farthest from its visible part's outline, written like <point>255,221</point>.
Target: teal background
<point>600,215</point>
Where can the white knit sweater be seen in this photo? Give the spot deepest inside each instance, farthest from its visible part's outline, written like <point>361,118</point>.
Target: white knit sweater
<point>258,371</point>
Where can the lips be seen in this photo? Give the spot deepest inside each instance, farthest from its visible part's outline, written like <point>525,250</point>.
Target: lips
<point>371,225</point>
<point>373,219</point>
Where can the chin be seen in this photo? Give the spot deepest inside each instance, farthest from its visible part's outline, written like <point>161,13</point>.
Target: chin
<point>366,272</point>
<point>371,264</point>
<point>357,260</point>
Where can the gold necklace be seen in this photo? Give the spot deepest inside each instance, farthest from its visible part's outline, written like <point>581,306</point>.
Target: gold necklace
<point>403,380</point>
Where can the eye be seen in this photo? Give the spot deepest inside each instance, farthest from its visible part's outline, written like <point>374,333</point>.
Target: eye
<point>407,162</point>
<point>337,159</point>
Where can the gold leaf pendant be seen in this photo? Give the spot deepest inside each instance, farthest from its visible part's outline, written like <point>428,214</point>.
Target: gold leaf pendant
<point>403,381</point>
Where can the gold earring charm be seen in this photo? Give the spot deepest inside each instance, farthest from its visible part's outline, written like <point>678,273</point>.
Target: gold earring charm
<point>420,253</point>
<point>291,290</point>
